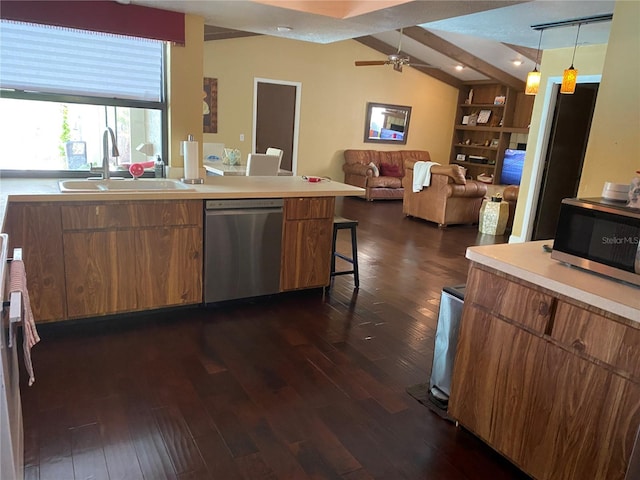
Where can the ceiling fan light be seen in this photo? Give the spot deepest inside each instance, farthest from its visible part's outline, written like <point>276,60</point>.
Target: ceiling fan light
<point>569,80</point>
<point>533,82</point>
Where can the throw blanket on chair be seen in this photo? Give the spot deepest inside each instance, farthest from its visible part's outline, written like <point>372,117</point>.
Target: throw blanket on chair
<point>422,175</point>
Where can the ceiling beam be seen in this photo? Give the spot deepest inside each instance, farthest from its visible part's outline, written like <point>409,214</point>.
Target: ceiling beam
<point>530,53</point>
<point>465,58</point>
<point>387,49</point>
<point>212,32</point>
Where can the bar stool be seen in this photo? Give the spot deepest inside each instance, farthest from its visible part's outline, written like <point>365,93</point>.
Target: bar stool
<point>340,223</point>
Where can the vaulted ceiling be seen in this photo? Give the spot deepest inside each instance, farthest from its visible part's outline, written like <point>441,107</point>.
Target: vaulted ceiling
<point>486,38</point>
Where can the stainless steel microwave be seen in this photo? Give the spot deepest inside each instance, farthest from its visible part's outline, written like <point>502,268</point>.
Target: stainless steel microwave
<point>601,236</point>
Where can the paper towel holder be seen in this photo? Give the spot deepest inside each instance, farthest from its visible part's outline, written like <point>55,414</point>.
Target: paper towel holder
<point>191,181</point>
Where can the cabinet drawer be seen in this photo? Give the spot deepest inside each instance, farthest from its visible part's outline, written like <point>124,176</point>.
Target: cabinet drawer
<point>114,215</point>
<point>517,303</point>
<point>599,337</point>
<point>308,208</point>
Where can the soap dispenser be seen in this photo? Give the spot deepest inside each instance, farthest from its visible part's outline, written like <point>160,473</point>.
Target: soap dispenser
<point>159,167</point>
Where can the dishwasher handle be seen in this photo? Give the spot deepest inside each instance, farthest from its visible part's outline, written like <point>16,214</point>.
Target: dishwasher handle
<point>242,211</point>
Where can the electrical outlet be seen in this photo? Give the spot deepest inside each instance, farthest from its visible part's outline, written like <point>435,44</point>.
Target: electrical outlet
<point>242,137</point>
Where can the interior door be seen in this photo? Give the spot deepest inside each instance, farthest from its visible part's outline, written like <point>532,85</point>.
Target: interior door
<point>565,155</point>
<point>276,119</point>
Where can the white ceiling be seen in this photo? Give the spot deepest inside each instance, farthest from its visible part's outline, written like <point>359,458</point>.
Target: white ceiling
<point>479,27</point>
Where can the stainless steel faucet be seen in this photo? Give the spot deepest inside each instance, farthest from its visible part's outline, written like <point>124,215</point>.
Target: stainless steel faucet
<point>106,172</point>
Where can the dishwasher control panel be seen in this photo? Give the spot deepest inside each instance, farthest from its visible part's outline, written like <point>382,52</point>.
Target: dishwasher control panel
<point>244,203</point>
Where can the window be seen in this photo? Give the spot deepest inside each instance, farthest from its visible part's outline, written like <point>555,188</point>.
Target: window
<point>62,87</point>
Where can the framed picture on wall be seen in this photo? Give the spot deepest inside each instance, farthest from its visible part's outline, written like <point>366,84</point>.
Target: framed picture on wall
<point>210,105</point>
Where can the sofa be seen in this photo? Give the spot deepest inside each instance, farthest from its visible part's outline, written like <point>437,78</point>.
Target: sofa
<point>379,172</point>
<point>450,198</point>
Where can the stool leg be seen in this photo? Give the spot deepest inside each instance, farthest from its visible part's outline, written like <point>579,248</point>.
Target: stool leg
<point>333,256</point>
<point>354,253</point>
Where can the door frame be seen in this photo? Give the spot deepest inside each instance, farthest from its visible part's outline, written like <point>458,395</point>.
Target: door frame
<point>296,121</point>
<point>540,153</point>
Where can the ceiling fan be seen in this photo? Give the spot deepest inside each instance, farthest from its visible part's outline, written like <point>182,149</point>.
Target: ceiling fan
<point>398,60</point>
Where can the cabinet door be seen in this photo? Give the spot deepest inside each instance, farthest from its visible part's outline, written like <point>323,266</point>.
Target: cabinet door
<point>306,242</point>
<point>36,228</point>
<point>554,414</point>
<point>479,377</point>
<point>99,272</point>
<point>168,267</point>
<point>306,257</point>
<point>583,422</point>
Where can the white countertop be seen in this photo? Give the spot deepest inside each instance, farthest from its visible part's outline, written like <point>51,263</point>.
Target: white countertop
<point>531,263</point>
<point>214,187</point>
<point>218,168</point>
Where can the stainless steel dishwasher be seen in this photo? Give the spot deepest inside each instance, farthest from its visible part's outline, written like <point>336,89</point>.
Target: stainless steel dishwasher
<point>242,248</point>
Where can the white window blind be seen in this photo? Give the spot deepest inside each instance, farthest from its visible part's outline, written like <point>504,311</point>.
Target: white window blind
<point>77,62</point>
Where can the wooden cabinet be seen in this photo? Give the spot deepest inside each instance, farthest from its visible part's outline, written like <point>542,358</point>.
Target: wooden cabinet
<point>480,148</point>
<point>306,242</point>
<point>36,228</point>
<point>550,384</point>
<point>99,272</point>
<point>128,256</point>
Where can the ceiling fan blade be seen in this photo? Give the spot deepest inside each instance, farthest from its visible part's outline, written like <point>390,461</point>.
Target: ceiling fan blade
<point>366,63</point>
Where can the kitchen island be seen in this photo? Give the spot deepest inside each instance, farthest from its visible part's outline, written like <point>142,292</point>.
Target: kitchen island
<point>547,367</point>
<point>96,253</point>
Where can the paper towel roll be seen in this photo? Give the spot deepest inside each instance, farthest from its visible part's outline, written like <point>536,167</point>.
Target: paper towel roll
<point>191,161</point>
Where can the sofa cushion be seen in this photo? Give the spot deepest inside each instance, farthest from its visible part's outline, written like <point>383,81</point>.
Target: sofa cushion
<point>374,167</point>
<point>390,170</point>
<point>384,182</point>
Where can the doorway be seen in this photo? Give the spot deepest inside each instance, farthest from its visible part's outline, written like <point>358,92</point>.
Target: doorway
<point>276,119</point>
<point>541,147</point>
<point>566,148</point>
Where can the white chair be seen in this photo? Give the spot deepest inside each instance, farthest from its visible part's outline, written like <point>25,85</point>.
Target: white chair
<point>275,151</point>
<point>261,164</point>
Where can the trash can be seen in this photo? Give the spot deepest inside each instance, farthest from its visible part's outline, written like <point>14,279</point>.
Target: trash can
<point>444,352</point>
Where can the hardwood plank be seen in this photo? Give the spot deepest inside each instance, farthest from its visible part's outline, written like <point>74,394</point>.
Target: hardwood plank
<point>151,451</point>
<point>177,438</point>
<point>88,455</point>
<point>253,467</point>
<point>119,451</point>
<point>312,462</point>
<point>217,457</point>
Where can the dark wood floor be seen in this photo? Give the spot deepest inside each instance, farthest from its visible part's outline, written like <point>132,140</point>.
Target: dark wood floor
<point>297,386</point>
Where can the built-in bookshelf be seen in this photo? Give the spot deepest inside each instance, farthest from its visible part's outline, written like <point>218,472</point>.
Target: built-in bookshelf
<point>488,115</point>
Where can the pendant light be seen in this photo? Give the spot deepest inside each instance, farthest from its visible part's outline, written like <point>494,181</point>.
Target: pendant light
<point>570,76</point>
<point>533,78</point>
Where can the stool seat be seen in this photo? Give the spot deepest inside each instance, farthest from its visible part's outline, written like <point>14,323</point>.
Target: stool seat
<point>340,223</point>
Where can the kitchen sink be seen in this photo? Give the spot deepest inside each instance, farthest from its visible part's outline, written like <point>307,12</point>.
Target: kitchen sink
<point>70,186</point>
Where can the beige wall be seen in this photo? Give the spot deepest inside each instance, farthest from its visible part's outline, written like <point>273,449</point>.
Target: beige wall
<point>613,149</point>
<point>184,88</point>
<point>334,98</point>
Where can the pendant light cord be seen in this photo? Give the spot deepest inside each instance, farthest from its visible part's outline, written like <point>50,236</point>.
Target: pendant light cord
<point>538,52</point>
<point>575,46</point>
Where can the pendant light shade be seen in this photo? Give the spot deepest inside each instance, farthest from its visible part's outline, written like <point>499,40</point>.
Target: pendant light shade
<point>569,80</point>
<point>533,82</point>
<point>570,76</point>
<point>533,78</point>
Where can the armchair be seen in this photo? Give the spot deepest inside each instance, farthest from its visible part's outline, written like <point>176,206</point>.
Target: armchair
<point>450,198</point>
